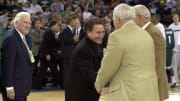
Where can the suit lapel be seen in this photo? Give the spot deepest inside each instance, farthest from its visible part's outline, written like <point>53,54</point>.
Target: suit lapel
<point>72,33</point>
<point>96,48</point>
<point>21,43</point>
<point>149,26</point>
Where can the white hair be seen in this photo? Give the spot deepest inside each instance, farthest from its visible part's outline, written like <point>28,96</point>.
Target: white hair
<point>142,11</point>
<point>19,16</point>
<point>123,12</point>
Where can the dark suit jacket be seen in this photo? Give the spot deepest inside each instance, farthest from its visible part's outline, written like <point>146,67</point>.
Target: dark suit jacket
<point>67,43</point>
<point>83,70</point>
<point>16,65</point>
<point>160,57</point>
<point>82,34</point>
<point>49,44</point>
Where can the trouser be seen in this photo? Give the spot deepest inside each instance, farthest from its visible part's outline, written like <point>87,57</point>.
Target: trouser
<point>35,65</point>
<point>175,63</point>
<point>65,71</point>
<point>39,79</point>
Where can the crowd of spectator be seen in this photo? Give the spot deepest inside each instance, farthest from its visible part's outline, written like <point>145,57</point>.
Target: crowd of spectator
<point>47,10</point>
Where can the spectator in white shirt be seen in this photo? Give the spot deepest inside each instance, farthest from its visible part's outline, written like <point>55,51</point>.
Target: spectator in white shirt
<point>175,26</point>
<point>86,13</point>
<point>35,7</point>
<point>156,20</point>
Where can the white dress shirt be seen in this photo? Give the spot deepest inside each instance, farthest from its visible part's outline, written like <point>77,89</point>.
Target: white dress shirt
<point>160,26</point>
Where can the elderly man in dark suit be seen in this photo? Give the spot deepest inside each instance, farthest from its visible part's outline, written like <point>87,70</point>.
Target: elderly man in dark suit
<point>17,59</point>
<point>85,62</point>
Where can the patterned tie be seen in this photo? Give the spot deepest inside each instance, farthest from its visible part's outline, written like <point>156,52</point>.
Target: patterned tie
<point>29,51</point>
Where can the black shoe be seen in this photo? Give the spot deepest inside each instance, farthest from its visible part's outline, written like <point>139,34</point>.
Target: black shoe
<point>173,85</point>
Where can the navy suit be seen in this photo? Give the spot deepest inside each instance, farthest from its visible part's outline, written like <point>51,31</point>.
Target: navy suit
<point>17,68</point>
<point>67,43</point>
<point>49,46</point>
<point>67,46</point>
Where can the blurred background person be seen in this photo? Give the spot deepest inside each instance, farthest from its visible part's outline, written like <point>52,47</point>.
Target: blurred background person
<point>68,41</point>
<point>85,62</point>
<point>36,34</point>
<point>50,56</point>
<point>156,21</point>
<point>175,26</point>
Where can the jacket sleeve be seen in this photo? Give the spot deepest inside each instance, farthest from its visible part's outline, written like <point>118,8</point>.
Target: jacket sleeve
<point>66,37</point>
<point>8,61</point>
<point>110,63</point>
<point>87,67</point>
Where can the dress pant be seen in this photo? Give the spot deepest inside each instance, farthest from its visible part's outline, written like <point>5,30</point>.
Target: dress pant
<point>35,65</point>
<point>175,63</point>
<point>42,70</point>
<point>65,71</point>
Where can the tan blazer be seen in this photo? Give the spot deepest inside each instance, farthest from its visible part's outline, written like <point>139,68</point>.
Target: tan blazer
<point>160,55</point>
<point>129,66</point>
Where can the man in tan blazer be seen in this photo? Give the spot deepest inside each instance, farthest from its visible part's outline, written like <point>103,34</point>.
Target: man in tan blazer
<point>143,20</point>
<point>129,62</point>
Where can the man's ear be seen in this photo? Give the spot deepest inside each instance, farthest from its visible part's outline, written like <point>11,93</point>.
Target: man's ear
<point>88,33</point>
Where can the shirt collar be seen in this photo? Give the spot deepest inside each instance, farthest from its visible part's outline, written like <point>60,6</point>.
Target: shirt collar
<point>21,35</point>
<point>70,27</point>
<point>144,27</point>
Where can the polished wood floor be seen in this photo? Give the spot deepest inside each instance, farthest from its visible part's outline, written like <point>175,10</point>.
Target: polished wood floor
<point>58,95</point>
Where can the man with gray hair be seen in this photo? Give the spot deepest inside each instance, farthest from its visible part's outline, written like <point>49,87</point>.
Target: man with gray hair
<point>129,62</point>
<point>143,18</point>
<point>17,61</point>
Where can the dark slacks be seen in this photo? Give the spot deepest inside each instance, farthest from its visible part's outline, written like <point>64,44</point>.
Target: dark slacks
<point>65,71</point>
<point>42,70</point>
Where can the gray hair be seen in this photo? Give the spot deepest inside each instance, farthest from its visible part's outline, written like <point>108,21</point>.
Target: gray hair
<point>142,11</point>
<point>124,11</point>
<point>19,16</point>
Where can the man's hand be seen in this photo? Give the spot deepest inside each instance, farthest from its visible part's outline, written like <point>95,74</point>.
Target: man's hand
<point>76,38</point>
<point>98,89</point>
<point>48,57</point>
<point>11,94</point>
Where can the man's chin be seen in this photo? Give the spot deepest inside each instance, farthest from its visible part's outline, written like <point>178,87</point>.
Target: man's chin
<point>99,42</point>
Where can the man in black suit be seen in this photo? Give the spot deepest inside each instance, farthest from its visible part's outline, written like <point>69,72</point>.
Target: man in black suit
<point>79,31</point>
<point>50,55</point>
<point>68,41</point>
<point>85,62</point>
<point>17,59</point>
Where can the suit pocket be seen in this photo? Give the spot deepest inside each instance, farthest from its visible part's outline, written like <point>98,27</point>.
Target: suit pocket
<point>114,88</point>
